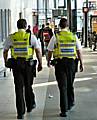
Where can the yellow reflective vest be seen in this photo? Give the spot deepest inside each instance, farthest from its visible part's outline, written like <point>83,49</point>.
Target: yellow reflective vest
<point>21,47</point>
<point>65,45</point>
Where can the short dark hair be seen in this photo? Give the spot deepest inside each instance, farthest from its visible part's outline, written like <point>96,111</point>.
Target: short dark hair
<point>43,25</point>
<point>63,23</point>
<point>21,24</point>
<point>29,26</point>
<point>47,24</point>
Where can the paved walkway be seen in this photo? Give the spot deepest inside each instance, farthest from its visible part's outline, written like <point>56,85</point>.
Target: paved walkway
<point>47,94</point>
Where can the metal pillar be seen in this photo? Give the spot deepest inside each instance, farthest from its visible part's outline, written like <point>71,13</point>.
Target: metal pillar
<point>54,3</point>
<point>8,21</point>
<point>2,30</point>
<point>69,16</point>
<point>37,11</point>
<point>5,22</point>
<point>20,15</point>
<point>86,26</point>
<point>76,15</point>
<point>46,11</point>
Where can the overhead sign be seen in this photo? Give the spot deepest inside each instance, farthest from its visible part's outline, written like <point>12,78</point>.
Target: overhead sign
<point>62,4</point>
<point>59,12</point>
<point>92,4</point>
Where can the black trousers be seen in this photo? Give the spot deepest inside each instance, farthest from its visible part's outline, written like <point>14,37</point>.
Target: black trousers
<point>64,72</point>
<point>23,80</point>
<point>42,47</point>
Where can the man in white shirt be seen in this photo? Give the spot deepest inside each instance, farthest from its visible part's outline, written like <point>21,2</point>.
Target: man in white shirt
<point>22,65</point>
<point>65,47</point>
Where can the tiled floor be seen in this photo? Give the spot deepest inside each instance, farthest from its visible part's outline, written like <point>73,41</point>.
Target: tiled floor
<point>47,94</point>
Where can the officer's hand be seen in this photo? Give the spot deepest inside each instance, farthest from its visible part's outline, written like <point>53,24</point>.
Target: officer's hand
<point>81,67</point>
<point>5,64</point>
<point>48,64</point>
<point>39,67</point>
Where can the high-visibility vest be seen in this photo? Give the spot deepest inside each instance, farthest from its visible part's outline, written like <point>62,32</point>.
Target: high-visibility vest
<point>21,47</point>
<point>65,45</point>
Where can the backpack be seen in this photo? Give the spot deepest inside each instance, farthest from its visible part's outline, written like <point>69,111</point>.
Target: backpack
<point>46,36</point>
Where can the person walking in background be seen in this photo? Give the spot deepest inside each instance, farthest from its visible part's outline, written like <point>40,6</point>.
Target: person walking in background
<point>35,30</point>
<point>64,46</point>
<point>47,34</point>
<point>94,39</point>
<point>22,66</point>
<point>40,36</point>
<point>56,29</point>
<point>29,31</point>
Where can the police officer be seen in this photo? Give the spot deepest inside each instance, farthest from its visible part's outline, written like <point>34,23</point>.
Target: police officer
<point>64,46</point>
<point>22,55</point>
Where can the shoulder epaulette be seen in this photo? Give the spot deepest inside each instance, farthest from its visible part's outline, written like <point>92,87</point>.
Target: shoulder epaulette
<point>10,34</point>
<point>58,32</point>
<point>14,33</point>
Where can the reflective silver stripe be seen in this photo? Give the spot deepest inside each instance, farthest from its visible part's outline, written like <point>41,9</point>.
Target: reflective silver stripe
<point>64,50</point>
<point>20,43</point>
<point>67,45</point>
<point>67,55</point>
<point>62,40</point>
<point>20,49</point>
<point>20,53</point>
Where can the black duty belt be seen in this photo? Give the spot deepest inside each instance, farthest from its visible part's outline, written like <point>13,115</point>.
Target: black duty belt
<point>64,58</point>
<point>23,59</point>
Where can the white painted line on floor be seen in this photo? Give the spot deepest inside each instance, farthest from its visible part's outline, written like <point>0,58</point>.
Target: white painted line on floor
<point>83,79</point>
<point>95,68</point>
<point>55,82</point>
